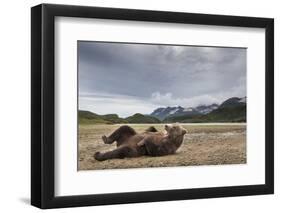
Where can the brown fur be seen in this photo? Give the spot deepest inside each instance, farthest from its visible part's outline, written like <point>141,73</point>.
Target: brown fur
<point>151,142</point>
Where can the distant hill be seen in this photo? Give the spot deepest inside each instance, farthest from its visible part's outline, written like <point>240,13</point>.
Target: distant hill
<point>231,110</point>
<point>113,118</point>
<point>140,118</point>
<point>87,117</point>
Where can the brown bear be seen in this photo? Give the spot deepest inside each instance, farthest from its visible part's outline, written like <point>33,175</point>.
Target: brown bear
<point>151,142</point>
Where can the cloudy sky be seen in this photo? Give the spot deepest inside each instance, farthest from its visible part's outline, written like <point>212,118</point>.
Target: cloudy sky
<point>129,78</point>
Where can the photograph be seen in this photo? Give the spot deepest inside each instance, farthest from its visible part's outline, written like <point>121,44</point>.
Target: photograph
<point>138,105</point>
<point>160,105</point>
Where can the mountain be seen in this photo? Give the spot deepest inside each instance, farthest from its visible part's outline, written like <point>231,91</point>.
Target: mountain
<point>231,110</point>
<point>228,114</point>
<point>205,109</point>
<point>163,113</point>
<point>87,117</point>
<point>140,118</point>
<point>233,102</point>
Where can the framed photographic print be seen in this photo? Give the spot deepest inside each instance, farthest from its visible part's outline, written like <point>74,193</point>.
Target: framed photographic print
<point>139,106</point>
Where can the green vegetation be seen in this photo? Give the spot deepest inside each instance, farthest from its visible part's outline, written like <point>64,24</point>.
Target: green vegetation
<point>86,117</point>
<point>140,118</point>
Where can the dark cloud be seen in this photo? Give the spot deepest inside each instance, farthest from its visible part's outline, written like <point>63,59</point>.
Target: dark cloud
<point>161,74</point>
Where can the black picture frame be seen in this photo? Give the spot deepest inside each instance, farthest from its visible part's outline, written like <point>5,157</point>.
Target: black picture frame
<point>43,110</point>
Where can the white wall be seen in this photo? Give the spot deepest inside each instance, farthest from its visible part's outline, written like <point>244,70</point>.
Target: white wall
<point>15,105</point>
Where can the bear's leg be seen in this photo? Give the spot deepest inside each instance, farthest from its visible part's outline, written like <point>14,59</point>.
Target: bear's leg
<point>120,153</point>
<point>119,134</point>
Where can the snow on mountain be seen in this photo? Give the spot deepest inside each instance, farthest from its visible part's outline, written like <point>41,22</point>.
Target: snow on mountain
<point>243,100</point>
<point>189,109</point>
<point>173,111</point>
<point>205,109</point>
<point>164,112</point>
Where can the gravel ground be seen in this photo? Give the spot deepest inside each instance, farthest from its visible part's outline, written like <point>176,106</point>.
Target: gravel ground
<point>205,144</point>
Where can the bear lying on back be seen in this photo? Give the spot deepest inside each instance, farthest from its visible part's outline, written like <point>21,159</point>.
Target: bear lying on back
<point>151,142</point>
<point>159,145</point>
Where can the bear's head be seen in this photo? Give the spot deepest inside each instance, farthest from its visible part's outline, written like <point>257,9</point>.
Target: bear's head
<point>175,130</point>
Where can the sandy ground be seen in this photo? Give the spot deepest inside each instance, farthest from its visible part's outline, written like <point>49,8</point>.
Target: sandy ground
<point>204,144</point>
